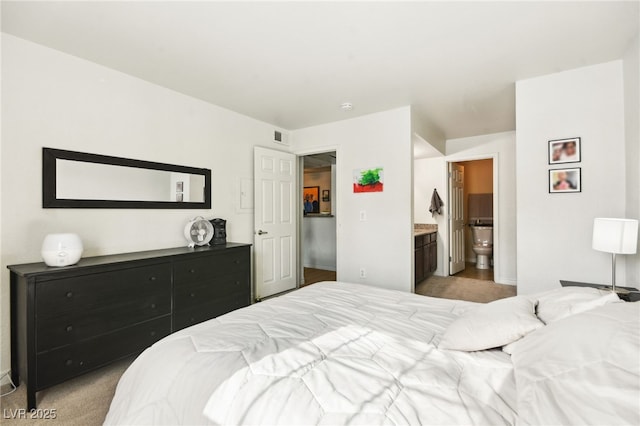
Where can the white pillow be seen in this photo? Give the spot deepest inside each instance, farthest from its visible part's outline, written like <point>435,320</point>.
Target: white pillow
<point>509,347</point>
<point>584,369</point>
<point>492,325</point>
<point>565,301</point>
<point>565,310</point>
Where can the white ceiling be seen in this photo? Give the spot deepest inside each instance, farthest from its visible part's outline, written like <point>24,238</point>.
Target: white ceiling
<point>293,63</point>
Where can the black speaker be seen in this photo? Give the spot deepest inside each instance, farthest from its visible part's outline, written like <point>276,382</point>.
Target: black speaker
<point>219,231</point>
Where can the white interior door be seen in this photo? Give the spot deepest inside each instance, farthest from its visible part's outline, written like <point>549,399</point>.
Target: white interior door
<point>275,238</point>
<point>456,218</point>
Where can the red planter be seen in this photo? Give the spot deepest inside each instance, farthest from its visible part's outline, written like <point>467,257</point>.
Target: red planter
<point>376,187</point>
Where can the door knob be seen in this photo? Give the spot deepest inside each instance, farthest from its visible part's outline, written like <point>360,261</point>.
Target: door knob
<point>261,232</point>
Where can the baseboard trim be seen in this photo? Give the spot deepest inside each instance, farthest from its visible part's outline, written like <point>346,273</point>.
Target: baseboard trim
<point>500,280</point>
<point>323,267</point>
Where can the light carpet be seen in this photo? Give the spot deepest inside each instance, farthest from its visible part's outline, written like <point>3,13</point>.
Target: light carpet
<point>83,401</point>
<point>464,289</point>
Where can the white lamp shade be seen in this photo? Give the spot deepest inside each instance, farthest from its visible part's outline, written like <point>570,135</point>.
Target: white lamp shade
<point>614,235</point>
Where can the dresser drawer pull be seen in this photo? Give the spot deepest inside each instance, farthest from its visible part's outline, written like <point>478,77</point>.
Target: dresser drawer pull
<point>192,294</point>
<point>69,328</point>
<point>152,279</point>
<point>237,282</point>
<point>237,261</point>
<point>153,306</point>
<point>193,271</point>
<point>69,294</point>
<point>153,333</point>
<point>68,363</point>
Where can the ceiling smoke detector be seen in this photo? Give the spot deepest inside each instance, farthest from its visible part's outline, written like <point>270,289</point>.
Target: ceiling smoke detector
<point>346,106</point>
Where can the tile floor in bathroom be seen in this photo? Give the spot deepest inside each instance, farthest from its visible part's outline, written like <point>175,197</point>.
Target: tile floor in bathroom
<point>470,271</point>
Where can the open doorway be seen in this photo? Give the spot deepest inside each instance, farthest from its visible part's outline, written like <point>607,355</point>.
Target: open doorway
<point>472,243</point>
<point>318,244</point>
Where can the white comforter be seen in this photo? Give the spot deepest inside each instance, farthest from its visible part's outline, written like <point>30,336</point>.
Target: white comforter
<point>330,353</point>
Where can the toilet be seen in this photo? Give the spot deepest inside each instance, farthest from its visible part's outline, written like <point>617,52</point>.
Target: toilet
<point>482,245</point>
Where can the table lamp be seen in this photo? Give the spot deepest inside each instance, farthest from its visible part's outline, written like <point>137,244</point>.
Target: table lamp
<point>615,236</point>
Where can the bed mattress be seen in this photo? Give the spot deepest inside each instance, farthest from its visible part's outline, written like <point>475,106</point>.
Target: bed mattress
<point>329,353</point>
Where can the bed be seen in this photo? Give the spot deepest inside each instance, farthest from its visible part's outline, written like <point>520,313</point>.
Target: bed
<point>341,353</point>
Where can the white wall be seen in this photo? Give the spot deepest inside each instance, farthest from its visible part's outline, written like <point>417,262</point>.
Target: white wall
<point>319,232</point>
<point>55,100</point>
<point>432,173</point>
<point>5,362</point>
<point>555,230</point>
<point>632,142</point>
<point>428,132</point>
<point>383,244</point>
<point>319,242</point>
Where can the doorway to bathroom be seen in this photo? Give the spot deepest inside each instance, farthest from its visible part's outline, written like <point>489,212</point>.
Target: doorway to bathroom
<point>472,221</point>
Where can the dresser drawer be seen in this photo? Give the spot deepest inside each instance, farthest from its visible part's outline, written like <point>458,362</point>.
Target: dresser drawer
<point>205,267</point>
<point>226,286</point>
<point>86,293</point>
<point>74,326</point>
<point>209,309</point>
<point>61,364</point>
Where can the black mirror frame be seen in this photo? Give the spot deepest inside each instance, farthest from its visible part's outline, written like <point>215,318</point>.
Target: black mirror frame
<point>50,200</point>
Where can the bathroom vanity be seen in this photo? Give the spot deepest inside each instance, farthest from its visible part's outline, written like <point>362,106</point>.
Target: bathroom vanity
<point>425,252</point>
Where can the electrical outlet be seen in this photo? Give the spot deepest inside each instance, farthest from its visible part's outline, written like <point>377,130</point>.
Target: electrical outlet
<point>363,273</point>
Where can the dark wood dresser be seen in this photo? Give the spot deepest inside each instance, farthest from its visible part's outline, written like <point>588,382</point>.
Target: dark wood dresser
<point>71,320</point>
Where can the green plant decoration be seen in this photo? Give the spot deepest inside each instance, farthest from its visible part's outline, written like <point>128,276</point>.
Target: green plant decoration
<point>370,177</point>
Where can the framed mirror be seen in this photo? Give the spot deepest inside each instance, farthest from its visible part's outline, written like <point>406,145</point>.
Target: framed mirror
<point>73,179</point>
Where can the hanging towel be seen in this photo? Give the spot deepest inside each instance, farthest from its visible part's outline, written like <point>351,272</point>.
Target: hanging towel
<point>436,204</point>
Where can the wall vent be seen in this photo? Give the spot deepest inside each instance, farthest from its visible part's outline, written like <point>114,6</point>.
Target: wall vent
<point>279,137</point>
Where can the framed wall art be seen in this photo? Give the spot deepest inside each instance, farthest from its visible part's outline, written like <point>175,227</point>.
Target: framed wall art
<point>368,180</point>
<point>311,199</point>
<point>565,180</point>
<point>564,151</point>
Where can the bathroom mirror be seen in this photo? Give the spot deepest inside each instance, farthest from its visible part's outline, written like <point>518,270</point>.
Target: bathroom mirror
<point>73,179</point>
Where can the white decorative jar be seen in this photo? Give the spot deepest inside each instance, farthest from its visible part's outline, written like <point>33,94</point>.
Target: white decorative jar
<point>61,249</point>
